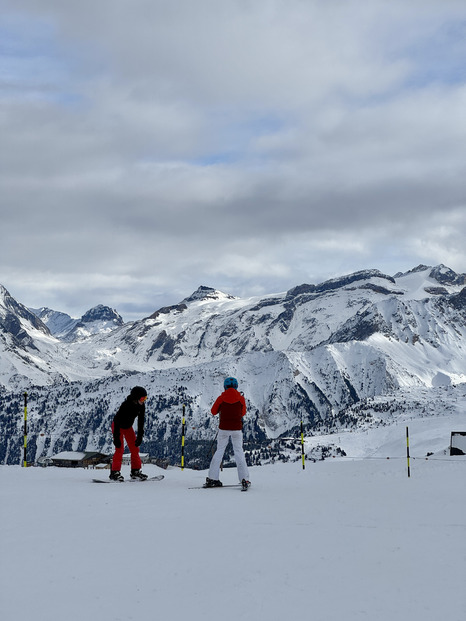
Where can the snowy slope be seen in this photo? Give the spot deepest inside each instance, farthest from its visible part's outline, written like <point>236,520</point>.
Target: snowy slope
<point>342,539</point>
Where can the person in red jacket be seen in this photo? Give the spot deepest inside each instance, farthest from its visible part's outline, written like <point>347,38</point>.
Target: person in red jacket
<point>231,407</point>
<point>122,429</point>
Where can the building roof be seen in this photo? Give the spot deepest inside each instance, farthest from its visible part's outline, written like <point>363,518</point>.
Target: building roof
<point>76,455</point>
<point>71,455</point>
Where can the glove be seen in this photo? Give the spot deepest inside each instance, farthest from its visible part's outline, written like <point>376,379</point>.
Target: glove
<point>138,441</point>
<point>116,442</point>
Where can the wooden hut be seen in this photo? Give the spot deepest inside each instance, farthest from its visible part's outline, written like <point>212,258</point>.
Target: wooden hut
<point>78,459</point>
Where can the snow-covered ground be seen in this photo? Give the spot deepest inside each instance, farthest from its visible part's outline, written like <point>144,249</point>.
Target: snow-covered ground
<point>426,436</point>
<point>350,539</point>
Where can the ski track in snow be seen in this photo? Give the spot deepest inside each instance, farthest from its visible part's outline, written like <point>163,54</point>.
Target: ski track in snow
<point>342,539</point>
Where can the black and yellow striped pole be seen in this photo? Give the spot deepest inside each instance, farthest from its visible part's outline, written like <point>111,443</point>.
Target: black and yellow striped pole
<point>407,451</point>
<point>183,430</point>
<point>302,443</point>
<point>25,436</point>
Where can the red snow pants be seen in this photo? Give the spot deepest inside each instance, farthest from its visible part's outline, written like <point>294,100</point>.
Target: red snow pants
<point>130,436</point>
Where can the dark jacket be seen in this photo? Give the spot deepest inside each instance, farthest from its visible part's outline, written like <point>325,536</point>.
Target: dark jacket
<point>232,407</point>
<point>124,419</point>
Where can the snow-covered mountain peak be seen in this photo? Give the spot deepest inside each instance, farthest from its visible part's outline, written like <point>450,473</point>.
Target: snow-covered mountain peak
<point>364,278</point>
<point>419,268</point>
<point>102,313</point>
<point>204,294</point>
<point>3,295</point>
<point>446,276</point>
<point>57,322</point>
<point>425,281</point>
<point>15,317</point>
<point>99,319</point>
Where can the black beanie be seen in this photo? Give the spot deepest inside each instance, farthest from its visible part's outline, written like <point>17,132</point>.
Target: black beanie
<point>137,392</point>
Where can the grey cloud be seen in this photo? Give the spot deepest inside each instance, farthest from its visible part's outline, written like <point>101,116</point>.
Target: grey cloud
<point>235,143</point>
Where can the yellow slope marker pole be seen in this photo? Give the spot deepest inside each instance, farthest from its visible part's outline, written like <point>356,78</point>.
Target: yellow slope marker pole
<point>302,443</point>
<point>183,431</point>
<point>407,451</point>
<point>25,436</point>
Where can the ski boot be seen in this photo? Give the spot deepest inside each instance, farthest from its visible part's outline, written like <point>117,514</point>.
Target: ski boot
<point>115,475</point>
<point>212,483</point>
<point>245,484</point>
<point>138,474</point>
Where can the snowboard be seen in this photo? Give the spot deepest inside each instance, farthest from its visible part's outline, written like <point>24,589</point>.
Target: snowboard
<point>243,489</point>
<point>157,478</point>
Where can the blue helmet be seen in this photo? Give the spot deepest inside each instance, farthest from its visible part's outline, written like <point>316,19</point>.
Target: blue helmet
<point>230,382</point>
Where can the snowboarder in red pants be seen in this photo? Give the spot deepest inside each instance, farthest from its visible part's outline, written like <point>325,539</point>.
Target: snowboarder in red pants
<point>122,428</point>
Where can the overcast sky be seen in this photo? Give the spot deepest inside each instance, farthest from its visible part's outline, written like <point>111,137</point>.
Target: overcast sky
<point>151,146</point>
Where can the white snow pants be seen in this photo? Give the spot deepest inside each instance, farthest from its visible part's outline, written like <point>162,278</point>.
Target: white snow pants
<point>237,441</point>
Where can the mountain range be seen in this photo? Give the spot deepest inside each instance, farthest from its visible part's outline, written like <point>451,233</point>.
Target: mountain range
<point>360,350</point>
